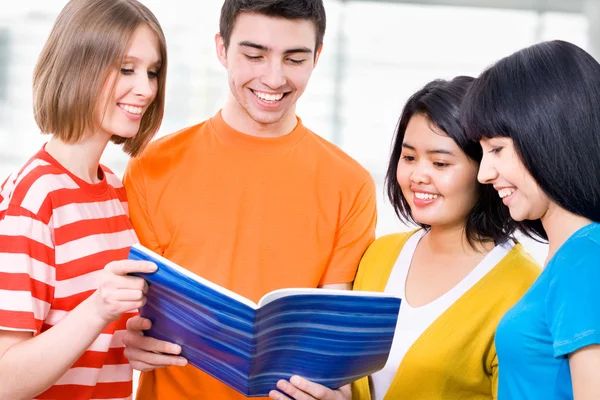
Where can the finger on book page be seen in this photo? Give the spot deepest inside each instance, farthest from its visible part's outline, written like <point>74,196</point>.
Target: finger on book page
<point>124,267</point>
<point>144,367</point>
<point>140,366</point>
<point>130,282</point>
<point>297,394</point>
<point>302,389</point>
<point>292,391</point>
<point>145,359</point>
<point>138,324</point>
<point>128,295</point>
<point>320,391</point>
<point>150,344</point>
<point>275,395</point>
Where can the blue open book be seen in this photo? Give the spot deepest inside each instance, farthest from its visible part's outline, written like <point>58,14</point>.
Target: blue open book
<point>327,336</point>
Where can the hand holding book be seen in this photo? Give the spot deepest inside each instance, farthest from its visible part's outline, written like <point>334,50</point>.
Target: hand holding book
<point>329,337</point>
<point>146,353</point>
<point>301,389</point>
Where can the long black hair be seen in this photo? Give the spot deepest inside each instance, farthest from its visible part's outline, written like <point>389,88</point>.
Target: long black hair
<point>545,98</point>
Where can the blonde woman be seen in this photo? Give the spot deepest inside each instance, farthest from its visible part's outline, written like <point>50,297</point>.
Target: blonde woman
<point>64,231</point>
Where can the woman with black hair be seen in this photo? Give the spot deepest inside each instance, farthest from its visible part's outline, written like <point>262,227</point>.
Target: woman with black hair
<point>536,115</point>
<point>457,274</point>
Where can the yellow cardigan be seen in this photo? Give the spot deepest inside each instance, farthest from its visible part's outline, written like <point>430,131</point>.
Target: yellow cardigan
<point>455,358</point>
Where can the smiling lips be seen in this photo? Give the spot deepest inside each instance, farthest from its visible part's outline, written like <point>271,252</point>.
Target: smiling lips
<point>269,98</point>
<point>133,112</point>
<point>422,199</point>
<point>506,194</point>
<point>425,196</point>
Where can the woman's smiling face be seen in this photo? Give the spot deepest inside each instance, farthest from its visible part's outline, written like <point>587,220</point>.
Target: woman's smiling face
<point>437,179</point>
<point>502,167</point>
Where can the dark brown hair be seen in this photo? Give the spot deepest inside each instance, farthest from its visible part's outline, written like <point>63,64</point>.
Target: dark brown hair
<point>311,10</point>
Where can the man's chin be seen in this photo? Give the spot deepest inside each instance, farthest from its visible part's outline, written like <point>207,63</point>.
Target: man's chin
<point>266,117</point>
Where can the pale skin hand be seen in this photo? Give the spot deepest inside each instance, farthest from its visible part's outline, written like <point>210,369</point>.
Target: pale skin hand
<point>299,388</point>
<point>65,342</point>
<point>337,286</point>
<point>145,353</point>
<point>119,292</point>
<point>584,365</point>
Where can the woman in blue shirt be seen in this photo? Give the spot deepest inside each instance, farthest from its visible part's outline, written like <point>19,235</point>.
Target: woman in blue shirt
<point>537,116</point>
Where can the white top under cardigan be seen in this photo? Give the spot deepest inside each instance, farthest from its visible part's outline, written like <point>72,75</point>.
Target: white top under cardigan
<point>413,321</point>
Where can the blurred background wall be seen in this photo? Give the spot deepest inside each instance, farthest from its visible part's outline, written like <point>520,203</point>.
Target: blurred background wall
<point>376,54</point>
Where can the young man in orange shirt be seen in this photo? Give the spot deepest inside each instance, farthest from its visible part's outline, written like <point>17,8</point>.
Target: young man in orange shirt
<point>249,199</point>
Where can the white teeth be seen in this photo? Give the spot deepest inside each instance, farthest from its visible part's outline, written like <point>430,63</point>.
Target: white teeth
<point>131,109</point>
<point>505,192</point>
<point>425,196</point>
<point>268,96</point>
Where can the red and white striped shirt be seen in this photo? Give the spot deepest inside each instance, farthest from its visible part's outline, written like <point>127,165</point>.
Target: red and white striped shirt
<point>57,232</point>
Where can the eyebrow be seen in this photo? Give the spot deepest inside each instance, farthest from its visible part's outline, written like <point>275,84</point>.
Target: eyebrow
<point>260,47</point>
<point>157,63</point>
<point>429,151</point>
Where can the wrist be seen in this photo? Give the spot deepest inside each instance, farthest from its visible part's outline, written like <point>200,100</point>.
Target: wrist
<point>91,312</point>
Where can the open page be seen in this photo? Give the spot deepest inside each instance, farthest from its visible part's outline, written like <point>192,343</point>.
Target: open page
<point>331,337</point>
<point>152,256</point>
<point>277,294</point>
<point>214,329</point>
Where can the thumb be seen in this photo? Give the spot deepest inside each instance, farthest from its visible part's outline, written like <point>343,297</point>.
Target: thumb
<point>125,267</point>
<point>138,323</point>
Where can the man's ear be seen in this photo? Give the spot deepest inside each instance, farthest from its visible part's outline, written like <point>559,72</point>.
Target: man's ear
<point>318,54</point>
<point>221,49</point>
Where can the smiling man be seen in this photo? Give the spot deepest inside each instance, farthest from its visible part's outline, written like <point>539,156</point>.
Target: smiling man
<point>250,199</point>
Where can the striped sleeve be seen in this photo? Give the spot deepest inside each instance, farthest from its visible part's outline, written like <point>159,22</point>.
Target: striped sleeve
<point>27,273</point>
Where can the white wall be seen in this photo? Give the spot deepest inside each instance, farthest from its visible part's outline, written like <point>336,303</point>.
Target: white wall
<point>388,51</point>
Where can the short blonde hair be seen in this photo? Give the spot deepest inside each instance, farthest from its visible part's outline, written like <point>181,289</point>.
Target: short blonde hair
<point>88,41</point>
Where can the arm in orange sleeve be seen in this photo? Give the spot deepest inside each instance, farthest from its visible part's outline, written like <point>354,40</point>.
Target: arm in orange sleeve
<point>135,187</point>
<point>355,233</point>
<point>143,352</point>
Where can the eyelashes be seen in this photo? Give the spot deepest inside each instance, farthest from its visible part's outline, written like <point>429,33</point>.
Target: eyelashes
<point>130,71</point>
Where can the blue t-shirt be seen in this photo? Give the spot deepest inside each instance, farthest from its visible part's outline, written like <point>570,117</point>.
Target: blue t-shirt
<point>558,315</point>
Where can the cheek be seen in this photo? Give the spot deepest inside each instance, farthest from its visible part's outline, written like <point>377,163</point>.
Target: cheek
<point>538,194</point>
<point>512,170</point>
<point>403,177</point>
<point>103,108</point>
<point>242,72</point>
<point>447,183</point>
<point>154,88</point>
<point>104,98</point>
<point>460,185</point>
<point>234,73</point>
<point>506,173</point>
<point>299,78</point>
<point>124,86</point>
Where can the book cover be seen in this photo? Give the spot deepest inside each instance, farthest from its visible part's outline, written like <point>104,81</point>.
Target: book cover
<point>331,337</point>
